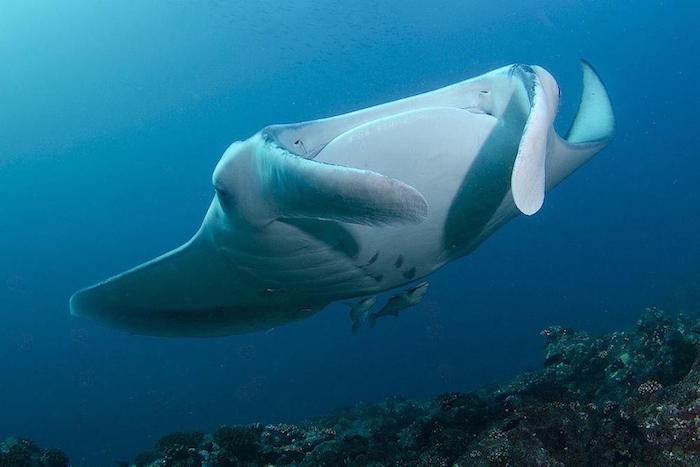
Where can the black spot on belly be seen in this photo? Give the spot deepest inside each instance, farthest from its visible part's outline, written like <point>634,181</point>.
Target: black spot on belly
<point>399,261</point>
<point>373,258</point>
<point>410,274</point>
<point>270,292</point>
<point>379,277</point>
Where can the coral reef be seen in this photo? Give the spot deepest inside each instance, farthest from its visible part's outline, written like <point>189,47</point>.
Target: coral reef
<point>621,399</point>
<point>21,452</point>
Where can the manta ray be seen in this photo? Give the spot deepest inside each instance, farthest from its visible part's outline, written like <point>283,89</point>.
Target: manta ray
<point>346,207</point>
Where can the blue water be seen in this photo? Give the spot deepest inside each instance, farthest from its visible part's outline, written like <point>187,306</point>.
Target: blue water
<point>114,114</point>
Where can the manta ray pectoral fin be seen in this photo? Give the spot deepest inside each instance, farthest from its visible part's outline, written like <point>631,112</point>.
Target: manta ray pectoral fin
<point>139,299</point>
<point>301,187</point>
<point>190,291</point>
<point>594,121</point>
<point>593,129</point>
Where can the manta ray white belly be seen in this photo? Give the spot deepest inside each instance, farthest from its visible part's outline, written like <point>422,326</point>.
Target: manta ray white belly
<point>307,214</point>
<point>431,150</point>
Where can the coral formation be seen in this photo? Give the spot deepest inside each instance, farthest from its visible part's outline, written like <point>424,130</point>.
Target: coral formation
<point>621,399</point>
<point>626,398</point>
<point>22,452</point>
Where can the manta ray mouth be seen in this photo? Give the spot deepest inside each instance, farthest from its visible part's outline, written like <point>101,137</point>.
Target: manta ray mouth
<point>526,74</point>
<point>297,144</point>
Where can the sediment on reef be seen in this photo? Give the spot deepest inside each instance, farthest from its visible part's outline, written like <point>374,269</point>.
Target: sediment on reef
<point>626,398</point>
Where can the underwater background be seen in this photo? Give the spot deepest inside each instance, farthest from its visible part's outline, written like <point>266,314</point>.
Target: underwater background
<point>114,114</point>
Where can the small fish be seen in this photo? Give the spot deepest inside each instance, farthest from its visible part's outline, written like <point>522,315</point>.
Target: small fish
<point>360,310</point>
<point>400,302</point>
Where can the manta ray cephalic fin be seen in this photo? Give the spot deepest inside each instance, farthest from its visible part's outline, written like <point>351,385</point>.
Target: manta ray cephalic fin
<point>528,177</point>
<point>289,186</point>
<point>593,128</point>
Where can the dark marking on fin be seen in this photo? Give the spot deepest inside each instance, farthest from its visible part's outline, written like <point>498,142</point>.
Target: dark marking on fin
<point>399,261</point>
<point>410,273</point>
